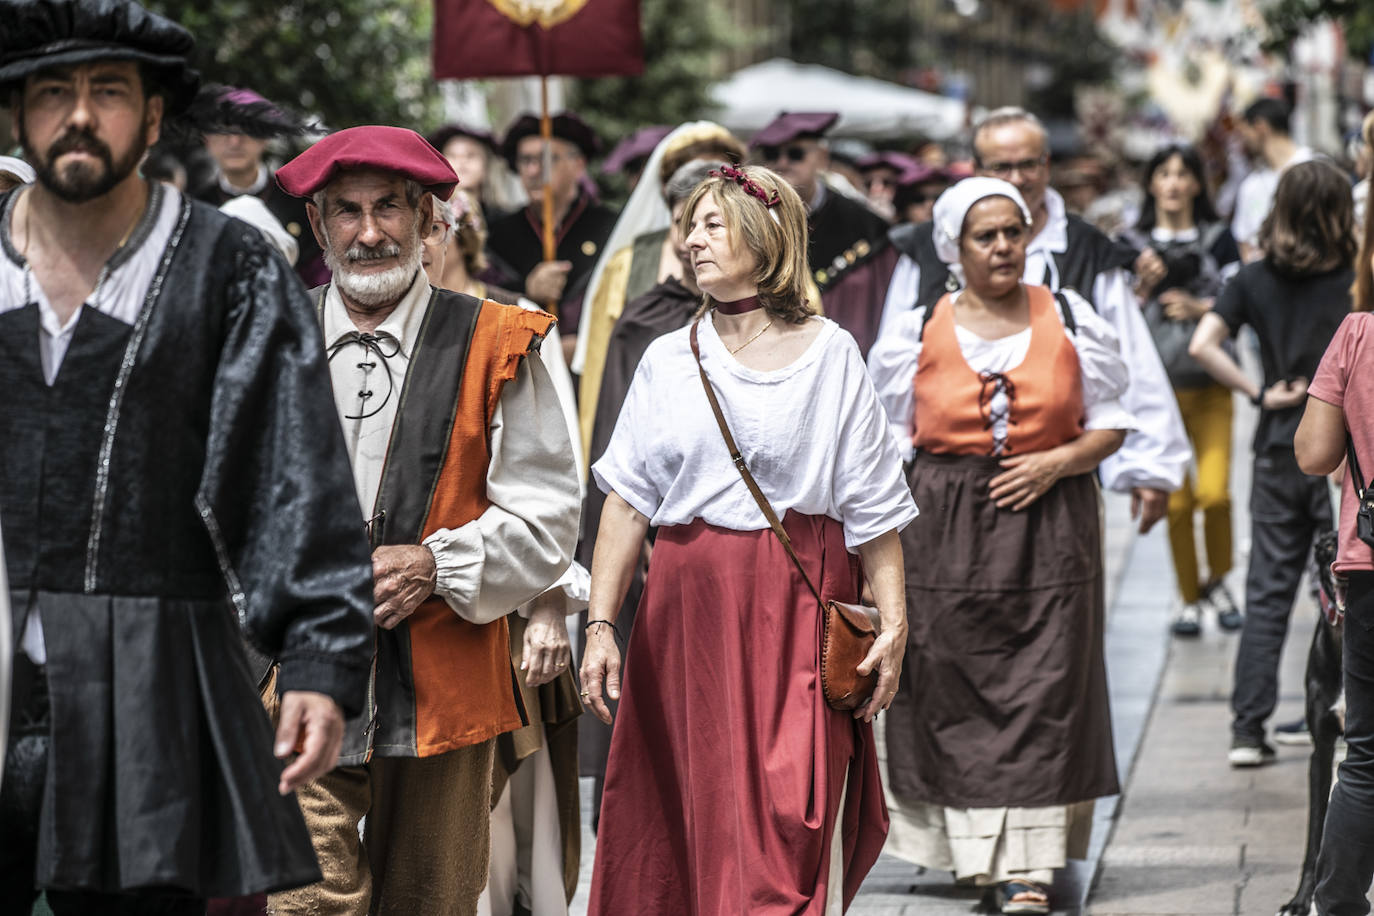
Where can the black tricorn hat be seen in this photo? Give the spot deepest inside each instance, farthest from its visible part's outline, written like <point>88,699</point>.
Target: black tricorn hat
<point>40,34</point>
<point>566,126</point>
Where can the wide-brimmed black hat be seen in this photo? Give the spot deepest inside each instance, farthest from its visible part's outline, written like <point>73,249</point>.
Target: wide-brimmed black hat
<point>439,139</point>
<point>221,109</point>
<point>40,34</point>
<point>566,126</point>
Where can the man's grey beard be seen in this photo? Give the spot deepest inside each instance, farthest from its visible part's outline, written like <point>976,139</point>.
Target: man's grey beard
<point>373,289</point>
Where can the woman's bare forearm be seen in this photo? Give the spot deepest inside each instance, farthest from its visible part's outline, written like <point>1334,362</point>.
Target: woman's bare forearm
<point>886,574</point>
<point>1084,454</point>
<point>619,540</point>
<point>1205,347</point>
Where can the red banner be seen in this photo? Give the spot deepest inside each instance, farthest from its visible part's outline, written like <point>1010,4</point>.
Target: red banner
<point>484,38</point>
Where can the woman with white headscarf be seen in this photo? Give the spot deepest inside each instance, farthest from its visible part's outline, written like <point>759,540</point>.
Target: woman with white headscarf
<point>1000,736</point>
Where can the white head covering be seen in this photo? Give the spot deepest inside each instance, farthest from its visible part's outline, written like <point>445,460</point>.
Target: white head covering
<point>18,168</point>
<point>255,213</point>
<point>644,212</point>
<point>953,205</point>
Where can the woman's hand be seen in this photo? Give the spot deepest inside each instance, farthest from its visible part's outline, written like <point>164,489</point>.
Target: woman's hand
<point>547,650</point>
<point>600,671</point>
<point>1026,479</point>
<point>886,655</point>
<point>1149,270</point>
<point>1285,394</point>
<point>1181,305</point>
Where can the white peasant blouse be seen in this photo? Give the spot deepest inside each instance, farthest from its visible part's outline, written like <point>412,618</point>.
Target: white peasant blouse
<point>812,433</point>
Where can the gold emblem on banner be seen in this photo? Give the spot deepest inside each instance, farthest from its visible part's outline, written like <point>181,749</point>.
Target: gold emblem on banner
<point>547,13</point>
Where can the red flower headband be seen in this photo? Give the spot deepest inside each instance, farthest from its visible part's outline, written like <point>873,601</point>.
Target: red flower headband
<point>749,185</point>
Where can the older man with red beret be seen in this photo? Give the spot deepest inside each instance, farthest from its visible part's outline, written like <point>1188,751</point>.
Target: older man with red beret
<point>463,466</point>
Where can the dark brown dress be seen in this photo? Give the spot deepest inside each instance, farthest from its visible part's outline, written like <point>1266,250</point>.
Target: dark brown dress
<point>1003,697</point>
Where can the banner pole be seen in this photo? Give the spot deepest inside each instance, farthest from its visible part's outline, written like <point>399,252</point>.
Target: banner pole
<point>546,132</point>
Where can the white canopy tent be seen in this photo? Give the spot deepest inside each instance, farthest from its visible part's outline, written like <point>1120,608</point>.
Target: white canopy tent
<point>869,108</point>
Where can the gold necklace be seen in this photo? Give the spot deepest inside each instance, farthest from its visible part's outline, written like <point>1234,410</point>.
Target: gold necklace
<point>754,338</point>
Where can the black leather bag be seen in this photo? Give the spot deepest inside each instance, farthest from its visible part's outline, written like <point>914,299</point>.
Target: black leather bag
<point>1364,515</point>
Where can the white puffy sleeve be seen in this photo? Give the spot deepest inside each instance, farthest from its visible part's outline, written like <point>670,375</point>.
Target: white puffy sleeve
<point>1156,453</point>
<point>623,468</point>
<point>524,540</point>
<point>892,366</point>
<point>902,291</point>
<point>870,492</point>
<point>1105,373</point>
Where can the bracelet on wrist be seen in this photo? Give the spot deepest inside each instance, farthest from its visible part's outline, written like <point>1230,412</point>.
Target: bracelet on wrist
<point>1258,400</point>
<point>603,623</point>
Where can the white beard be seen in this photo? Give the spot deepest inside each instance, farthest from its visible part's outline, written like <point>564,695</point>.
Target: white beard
<point>373,289</point>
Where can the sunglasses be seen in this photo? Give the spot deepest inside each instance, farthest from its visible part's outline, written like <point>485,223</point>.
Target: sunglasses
<point>793,153</point>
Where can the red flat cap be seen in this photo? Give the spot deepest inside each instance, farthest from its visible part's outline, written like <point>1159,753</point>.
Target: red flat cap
<point>386,149</point>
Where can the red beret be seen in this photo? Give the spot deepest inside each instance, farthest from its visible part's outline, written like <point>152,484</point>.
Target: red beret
<point>386,149</point>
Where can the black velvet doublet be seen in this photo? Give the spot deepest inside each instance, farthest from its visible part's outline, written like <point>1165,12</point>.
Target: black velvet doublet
<point>182,482</point>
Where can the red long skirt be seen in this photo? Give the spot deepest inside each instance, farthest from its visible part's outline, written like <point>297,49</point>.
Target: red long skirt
<point>727,767</point>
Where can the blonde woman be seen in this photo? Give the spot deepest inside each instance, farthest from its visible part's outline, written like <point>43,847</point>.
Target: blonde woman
<point>731,786</point>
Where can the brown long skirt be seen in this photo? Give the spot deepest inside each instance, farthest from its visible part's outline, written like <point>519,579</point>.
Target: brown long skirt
<point>1003,698</point>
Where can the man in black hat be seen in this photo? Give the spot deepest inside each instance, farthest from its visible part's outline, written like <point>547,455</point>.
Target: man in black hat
<point>172,479</point>
<point>238,124</point>
<point>851,261</point>
<point>514,243</point>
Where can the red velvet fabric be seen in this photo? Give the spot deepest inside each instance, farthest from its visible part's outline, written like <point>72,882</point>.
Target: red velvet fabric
<point>726,766</point>
<point>739,306</point>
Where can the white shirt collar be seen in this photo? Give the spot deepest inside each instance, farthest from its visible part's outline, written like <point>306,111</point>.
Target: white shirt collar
<point>1161,234</point>
<point>402,325</point>
<point>256,187</point>
<point>1054,238</point>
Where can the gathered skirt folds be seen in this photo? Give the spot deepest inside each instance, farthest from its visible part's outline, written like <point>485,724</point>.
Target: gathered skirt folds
<point>1003,701</point>
<point>160,771</point>
<point>728,773</point>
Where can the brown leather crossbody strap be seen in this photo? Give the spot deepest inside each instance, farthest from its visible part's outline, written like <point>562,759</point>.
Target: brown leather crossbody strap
<point>743,469</point>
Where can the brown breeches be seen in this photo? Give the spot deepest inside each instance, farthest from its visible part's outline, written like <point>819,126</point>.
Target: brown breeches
<point>425,845</point>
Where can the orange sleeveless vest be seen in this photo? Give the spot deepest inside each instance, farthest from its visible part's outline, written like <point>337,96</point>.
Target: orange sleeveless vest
<point>1045,391</point>
<point>465,690</point>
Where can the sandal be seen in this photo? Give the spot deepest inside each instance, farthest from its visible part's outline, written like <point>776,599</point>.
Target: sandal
<point>1023,897</point>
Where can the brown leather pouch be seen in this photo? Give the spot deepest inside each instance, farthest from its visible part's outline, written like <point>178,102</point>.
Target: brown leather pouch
<point>847,636</point>
<point>848,631</point>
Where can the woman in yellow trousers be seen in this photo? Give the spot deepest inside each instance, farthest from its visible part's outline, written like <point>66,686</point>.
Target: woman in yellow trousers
<point>1187,253</point>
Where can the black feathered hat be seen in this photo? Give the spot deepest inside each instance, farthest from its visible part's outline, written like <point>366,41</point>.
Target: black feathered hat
<point>230,110</point>
<point>41,34</point>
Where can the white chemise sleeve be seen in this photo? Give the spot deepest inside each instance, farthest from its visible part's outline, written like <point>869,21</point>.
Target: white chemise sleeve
<point>623,468</point>
<point>1156,453</point>
<point>871,494</point>
<point>1105,373</point>
<point>902,291</point>
<point>524,540</point>
<point>892,366</point>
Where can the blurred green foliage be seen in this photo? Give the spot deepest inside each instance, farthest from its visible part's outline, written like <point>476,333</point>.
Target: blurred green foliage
<point>867,37</point>
<point>683,49</point>
<point>347,62</point>
<point>1288,18</point>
